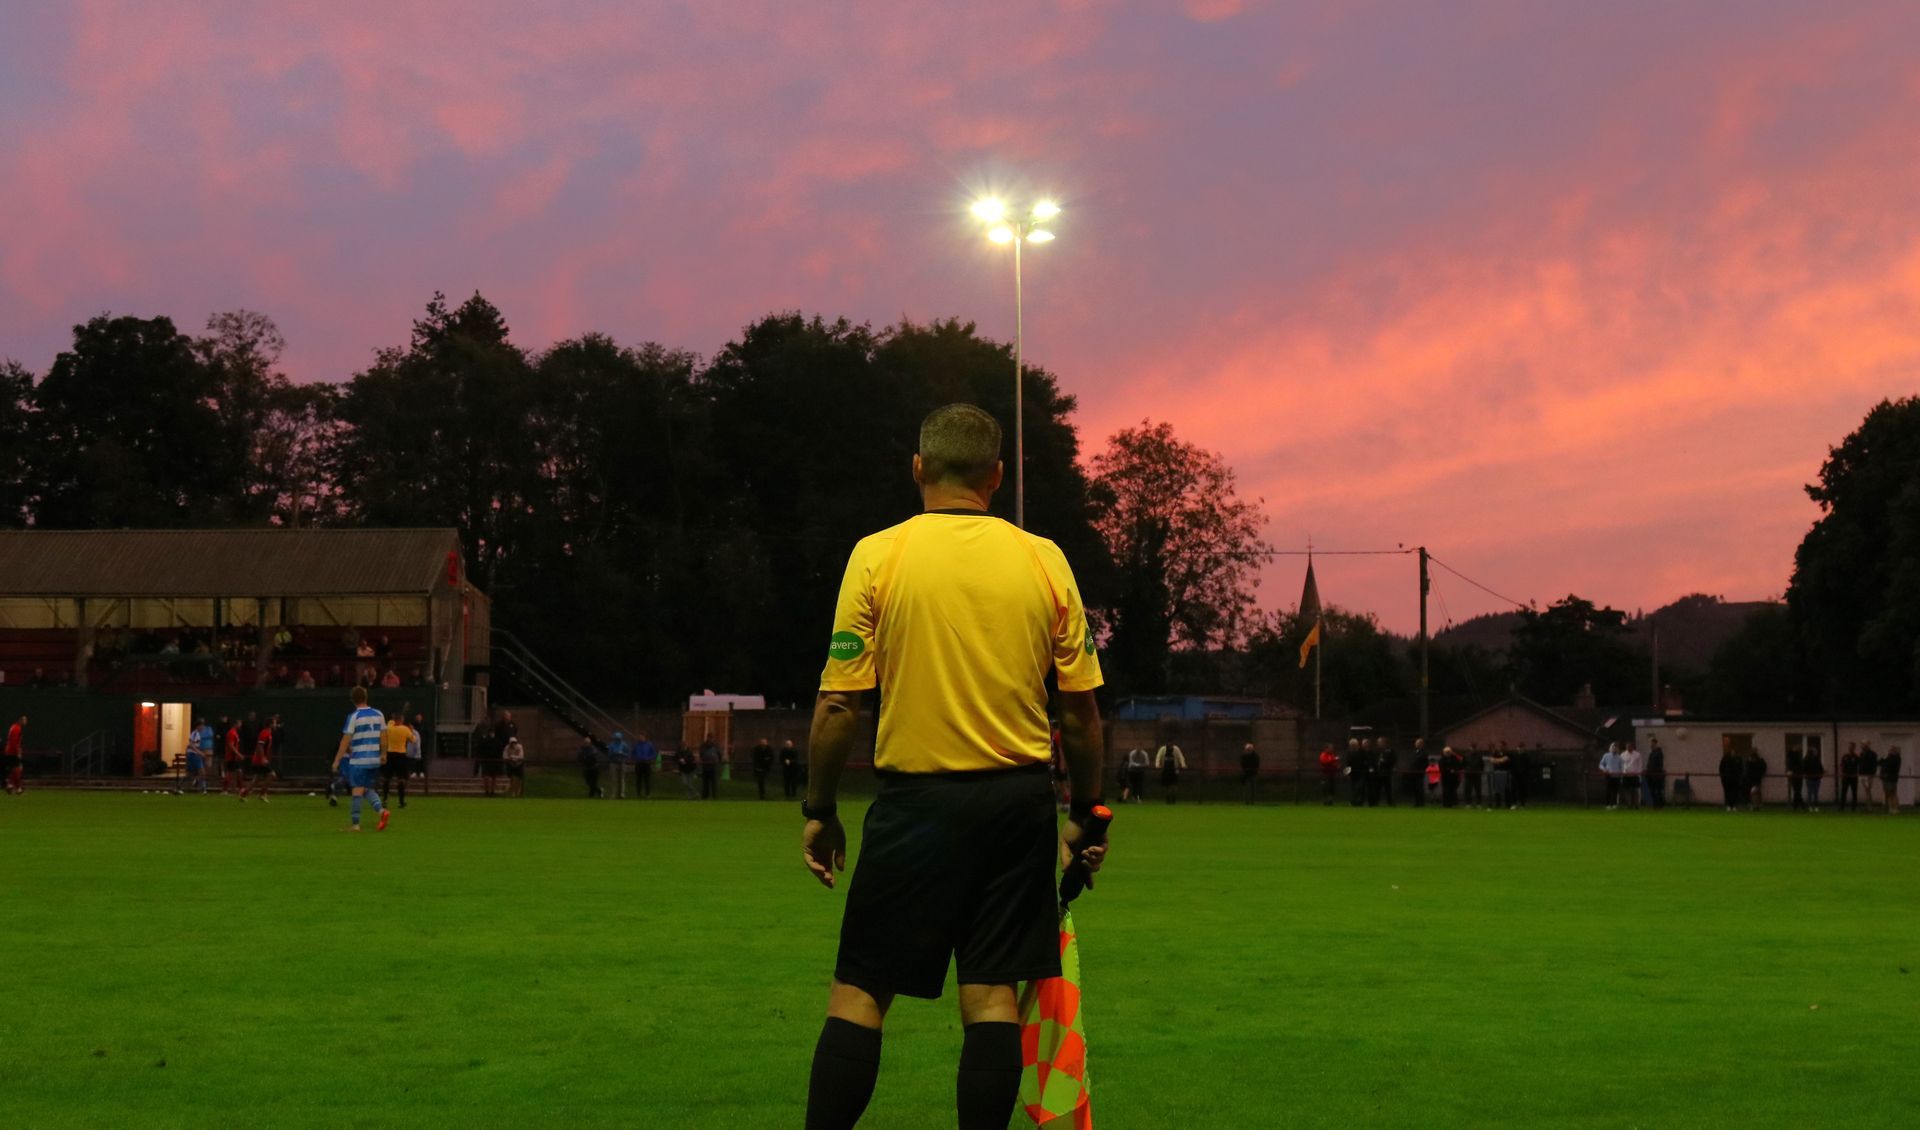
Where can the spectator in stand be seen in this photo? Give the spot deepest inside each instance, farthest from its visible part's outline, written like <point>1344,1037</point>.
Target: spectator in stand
<point>1249,770</point>
<point>1756,778</point>
<point>709,769</point>
<point>762,765</point>
<point>304,681</point>
<point>1610,769</point>
<point>644,755</point>
<point>1869,770</point>
<point>589,758</point>
<point>420,678</point>
<point>1794,799</point>
<point>1472,776</point>
<point>394,763</point>
<point>361,648</point>
<point>336,676</point>
<point>1171,763</point>
<point>1850,777</point>
<point>390,680</point>
<point>688,763</point>
<point>1813,773</point>
<point>1631,766</point>
<point>619,756</point>
<point>1386,763</point>
<point>1359,771</point>
<point>1656,774</point>
<point>513,758</point>
<point>1329,762</point>
<point>13,757</point>
<point>383,649</point>
<point>1500,778</point>
<point>1890,779</point>
<point>789,770</point>
<point>1138,759</point>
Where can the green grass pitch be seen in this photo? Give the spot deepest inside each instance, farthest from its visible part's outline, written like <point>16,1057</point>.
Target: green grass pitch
<point>196,962</point>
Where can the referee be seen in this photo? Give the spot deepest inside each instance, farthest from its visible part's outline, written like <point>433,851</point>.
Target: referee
<point>959,618</point>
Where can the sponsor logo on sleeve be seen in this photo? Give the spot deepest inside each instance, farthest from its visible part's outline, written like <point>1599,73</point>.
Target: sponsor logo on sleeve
<point>845,645</point>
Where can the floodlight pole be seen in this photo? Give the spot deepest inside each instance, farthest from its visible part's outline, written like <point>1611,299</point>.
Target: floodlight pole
<point>1019,398</point>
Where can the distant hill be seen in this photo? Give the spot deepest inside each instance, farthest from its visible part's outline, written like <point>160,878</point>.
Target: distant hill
<point>1691,630</point>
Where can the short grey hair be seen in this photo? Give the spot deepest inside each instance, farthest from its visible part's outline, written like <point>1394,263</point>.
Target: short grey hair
<point>959,445</point>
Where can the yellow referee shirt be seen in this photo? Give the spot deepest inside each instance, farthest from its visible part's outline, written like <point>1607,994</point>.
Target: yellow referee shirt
<point>958,617</point>
<point>394,739</point>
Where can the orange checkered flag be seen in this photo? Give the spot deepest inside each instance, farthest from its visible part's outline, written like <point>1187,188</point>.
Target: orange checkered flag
<point>1054,1090</point>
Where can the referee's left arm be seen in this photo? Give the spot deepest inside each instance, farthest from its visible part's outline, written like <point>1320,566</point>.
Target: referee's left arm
<point>824,841</point>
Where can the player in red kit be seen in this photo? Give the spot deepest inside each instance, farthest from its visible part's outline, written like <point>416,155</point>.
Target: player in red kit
<point>14,759</point>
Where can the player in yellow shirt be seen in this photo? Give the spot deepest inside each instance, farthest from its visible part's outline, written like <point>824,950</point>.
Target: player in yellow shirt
<point>959,618</point>
<point>395,743</point>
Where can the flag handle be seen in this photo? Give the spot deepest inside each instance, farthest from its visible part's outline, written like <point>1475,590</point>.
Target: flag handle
<point>1077,877</point>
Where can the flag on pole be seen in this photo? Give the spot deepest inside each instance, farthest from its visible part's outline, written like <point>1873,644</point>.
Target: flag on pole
<point>1054,1090</point>
<point>1310,609</point>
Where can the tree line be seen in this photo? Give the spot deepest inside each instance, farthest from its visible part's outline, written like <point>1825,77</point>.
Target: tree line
<point>656,522</point>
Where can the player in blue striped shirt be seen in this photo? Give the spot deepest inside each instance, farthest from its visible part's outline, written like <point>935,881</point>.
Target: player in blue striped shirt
<point>360,748</point>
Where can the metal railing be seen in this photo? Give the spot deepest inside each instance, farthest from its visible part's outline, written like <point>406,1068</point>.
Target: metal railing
<point>566,700</point>
<point>88,756</point>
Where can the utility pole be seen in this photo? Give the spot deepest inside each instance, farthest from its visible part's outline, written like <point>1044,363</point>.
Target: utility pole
<point>1426,584</point>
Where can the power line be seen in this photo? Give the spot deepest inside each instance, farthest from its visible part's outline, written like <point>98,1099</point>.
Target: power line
<point>1476,584</point>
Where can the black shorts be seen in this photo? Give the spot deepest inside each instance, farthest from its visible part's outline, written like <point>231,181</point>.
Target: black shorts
<point>953,867</point>
<point>260,771</point>
<point>515,769</point>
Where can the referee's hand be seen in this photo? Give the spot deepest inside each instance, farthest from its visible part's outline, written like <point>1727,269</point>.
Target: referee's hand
<point>1070,834</point>
<point>823,844</point>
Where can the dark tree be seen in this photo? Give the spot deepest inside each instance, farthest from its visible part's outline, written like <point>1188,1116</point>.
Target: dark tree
<point>132,432</point>
<point>18,451</point>
<point>1573,644</point>
<point>1185,545</point>
<point>1856,577</point>
<point>439,436</point>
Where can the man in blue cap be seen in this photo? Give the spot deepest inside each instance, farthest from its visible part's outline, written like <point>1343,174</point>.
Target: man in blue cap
<point>619,753</point>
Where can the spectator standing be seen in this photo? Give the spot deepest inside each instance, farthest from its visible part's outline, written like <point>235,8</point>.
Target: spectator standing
<point>1813,772</point>
<point>1450,763</point>
<point>688,764</point>
<point>513,758</point>
<point>1869,771</point>
<point>1631,766</point>
<point>589,758</point>
<point>762,765</point>
<point>1610,769</point>
<point>709,769</point>
<point>1890,779</point>
<point>1385,762</point>
<point>1250,770</point>
<point>1472,776</point>
<point>1522,768</point>
<point>1329,774</point>
<point>1756,778</point>
<point>1500,778</point>
<point>1731,774</point>
<point>1423,775</point>
<point>1795,801</point>
<point>1137,761</point>
<point>789,770</point>
<point>1656,774</point>
<point>619,756</point>
<point>1359,770</point>
<point>1171,763</point>
<point>645,753</point>
<point>1850,778</point>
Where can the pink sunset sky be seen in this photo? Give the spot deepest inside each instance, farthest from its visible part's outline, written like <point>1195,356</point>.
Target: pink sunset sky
<point>1576,294</point>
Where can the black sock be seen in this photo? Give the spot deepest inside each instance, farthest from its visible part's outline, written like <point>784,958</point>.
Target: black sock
<point>846,1062</point>
<point>989,1080</point>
